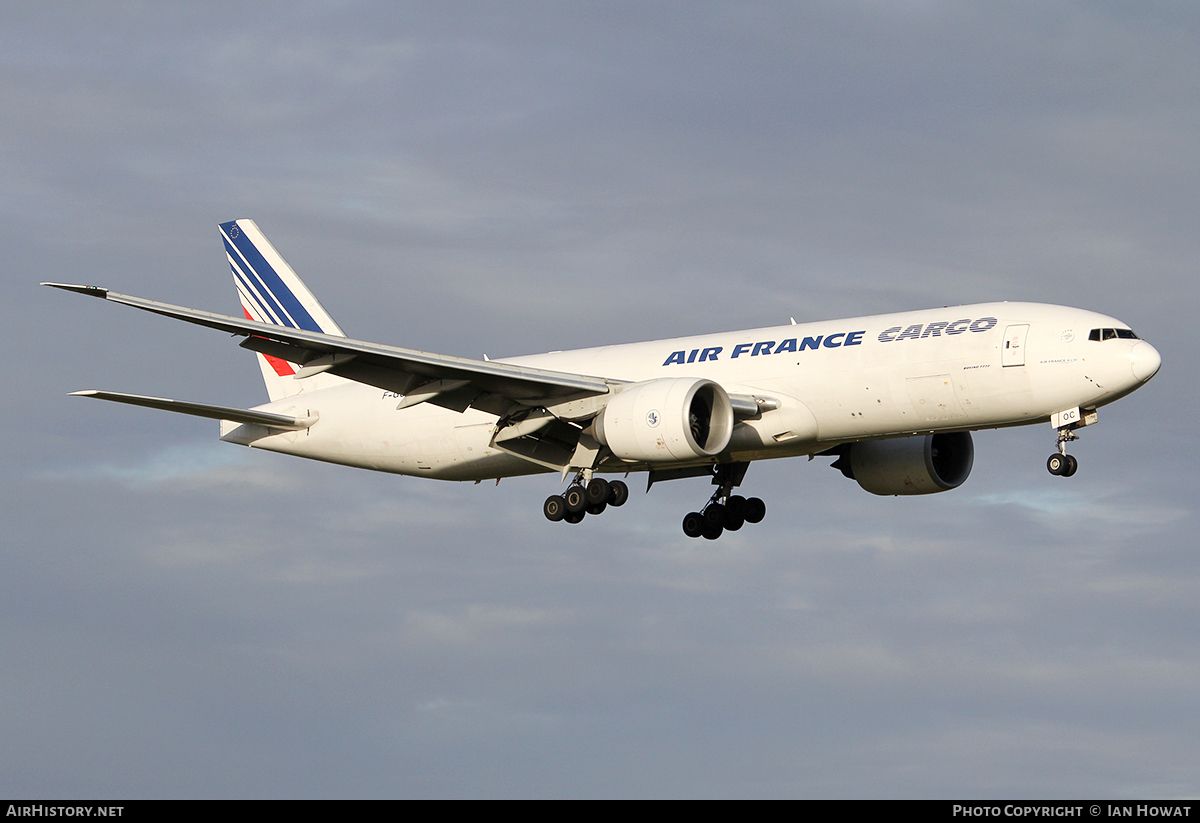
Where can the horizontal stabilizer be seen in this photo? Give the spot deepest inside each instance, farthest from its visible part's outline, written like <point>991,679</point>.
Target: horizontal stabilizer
<point>260,418</point>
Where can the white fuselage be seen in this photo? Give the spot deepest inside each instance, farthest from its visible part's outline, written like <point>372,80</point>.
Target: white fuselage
<point>956,368</point>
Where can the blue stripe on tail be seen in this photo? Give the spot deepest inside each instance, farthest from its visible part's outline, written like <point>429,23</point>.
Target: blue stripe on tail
<point>271,311</point>
<point>275,291</point>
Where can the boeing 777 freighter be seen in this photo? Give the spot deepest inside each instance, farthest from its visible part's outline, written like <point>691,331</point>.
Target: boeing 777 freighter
<point>894,398</point>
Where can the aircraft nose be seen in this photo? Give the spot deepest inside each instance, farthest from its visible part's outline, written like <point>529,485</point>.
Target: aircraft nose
<point>1145,360</point>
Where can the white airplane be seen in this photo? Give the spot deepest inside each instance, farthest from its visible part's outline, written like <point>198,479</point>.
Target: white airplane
<point>893,397</point>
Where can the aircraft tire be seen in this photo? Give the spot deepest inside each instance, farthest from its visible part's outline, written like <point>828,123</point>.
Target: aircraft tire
<point>712,532</point>
<point>733,522</point>
<point>618,493</point>
<point>576,499</point>
<point>555,508</point>
<point>693,524</point>
<point>596,508</point>
<point>596,491</point>
<point>736,504</point>
<point>574,517</point>
<point>756,510</point>
<point>1072,466</point>
<point>714,514</point>
<point>1056,464</point>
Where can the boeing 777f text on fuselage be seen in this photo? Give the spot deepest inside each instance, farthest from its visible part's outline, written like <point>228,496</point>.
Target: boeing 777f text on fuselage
<point>892,397</point>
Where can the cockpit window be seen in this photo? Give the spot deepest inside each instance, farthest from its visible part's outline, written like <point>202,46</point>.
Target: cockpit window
<point>1112,334</point>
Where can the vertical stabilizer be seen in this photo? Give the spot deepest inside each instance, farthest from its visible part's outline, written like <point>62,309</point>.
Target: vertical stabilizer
<point>270,292</point>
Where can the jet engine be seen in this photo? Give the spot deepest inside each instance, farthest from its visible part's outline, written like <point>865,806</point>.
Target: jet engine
<point>667,420</point>
<point>923,464</point>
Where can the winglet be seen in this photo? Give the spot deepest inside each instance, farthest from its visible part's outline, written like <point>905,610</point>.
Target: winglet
<point>94,291</point>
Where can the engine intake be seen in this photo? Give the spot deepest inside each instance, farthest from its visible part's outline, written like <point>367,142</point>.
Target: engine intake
<point>924,464</point>
<point>667,420</point>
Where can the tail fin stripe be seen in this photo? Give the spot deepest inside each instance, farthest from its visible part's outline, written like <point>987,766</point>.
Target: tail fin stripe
<point>261,306</point>
<point>272,283</point>
<point>250,301</point>
<point>262,295</point>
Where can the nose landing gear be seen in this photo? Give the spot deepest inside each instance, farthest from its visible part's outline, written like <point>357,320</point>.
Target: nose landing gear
<point>1061,464</point>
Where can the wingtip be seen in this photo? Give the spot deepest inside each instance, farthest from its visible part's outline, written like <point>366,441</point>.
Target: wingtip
<point>94,291</point>
<point>84,393</point>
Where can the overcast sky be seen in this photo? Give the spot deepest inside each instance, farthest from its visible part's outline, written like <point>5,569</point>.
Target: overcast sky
<point>185,618</point>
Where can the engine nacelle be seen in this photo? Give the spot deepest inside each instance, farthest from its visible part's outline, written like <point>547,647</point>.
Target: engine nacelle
<point>678,418</point>
<point>923,464</point>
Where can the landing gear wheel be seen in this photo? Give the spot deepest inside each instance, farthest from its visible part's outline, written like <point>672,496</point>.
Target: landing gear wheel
<point>596,508</point>
<point>573,517</point>
<point>756,510</point>
<point>576,500</point>
<point>618,493</point>
<point>1057,464</point>
<point>555,508</point>
<point>725,511</point>
<point>1072,466</point>
<point>597,491</point>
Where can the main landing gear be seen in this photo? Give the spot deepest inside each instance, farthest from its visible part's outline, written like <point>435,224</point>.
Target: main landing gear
<point>725,511</point>
<point>1061,464</point>
<point>717,516</point>
<point>579,500</point>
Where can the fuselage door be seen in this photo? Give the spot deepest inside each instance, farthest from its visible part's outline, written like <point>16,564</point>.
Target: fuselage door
<point>1013,353</point>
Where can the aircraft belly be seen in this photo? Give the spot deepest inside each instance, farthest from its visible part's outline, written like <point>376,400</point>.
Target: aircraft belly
<point>361,427</point>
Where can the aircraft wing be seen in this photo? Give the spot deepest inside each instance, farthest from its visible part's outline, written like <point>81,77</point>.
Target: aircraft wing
<point>444,380</point>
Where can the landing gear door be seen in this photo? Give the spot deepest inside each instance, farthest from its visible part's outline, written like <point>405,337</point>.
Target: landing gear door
<point>1013,353</point>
